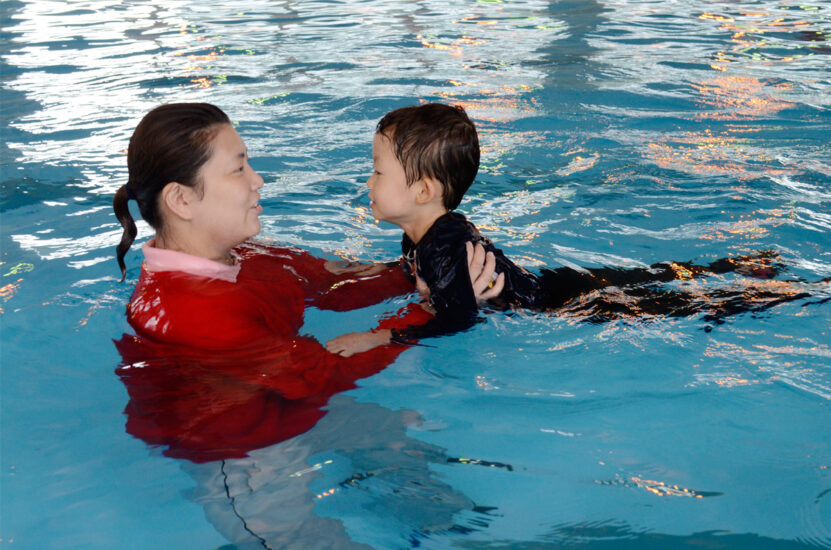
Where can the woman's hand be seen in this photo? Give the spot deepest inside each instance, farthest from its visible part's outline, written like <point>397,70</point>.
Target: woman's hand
<point>351,343</point>
<point>482,268</point>
<point>339,267</point>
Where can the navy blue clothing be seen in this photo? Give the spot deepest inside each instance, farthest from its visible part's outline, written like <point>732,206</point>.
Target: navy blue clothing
<point>441,260</point>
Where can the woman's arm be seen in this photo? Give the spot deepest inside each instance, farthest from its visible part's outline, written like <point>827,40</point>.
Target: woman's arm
<point>485,284</point>
<point>343,286</point>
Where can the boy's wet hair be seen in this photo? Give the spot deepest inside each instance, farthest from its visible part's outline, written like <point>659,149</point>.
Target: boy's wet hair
<point>435,141</point>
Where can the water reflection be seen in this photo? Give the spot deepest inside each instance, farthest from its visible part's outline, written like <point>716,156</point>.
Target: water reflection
<point>614,534</point>
<point>191,51</point>
<point>741,97</point>
<point>657,488</point>
<point>263,461</point>
<point>766,35</point>
<point>792,360</point>
<point>281,496</point>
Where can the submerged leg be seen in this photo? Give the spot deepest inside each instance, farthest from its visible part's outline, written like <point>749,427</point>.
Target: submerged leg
<point>651,301</point>
<point>602,294</point>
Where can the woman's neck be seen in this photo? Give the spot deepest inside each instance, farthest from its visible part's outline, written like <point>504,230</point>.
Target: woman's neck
<point>183,245</point>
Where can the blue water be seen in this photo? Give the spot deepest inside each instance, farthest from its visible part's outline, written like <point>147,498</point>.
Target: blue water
<point>613,133</point>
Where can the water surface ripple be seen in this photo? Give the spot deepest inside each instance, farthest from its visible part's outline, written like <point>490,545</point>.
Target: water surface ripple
<point>613,133</point>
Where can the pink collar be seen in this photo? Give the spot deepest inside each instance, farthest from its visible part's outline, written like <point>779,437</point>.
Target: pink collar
<point>161,259</point>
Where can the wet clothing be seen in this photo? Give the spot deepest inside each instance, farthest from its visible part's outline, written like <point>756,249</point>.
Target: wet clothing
<point>185,300</point>
<point>440,259</point>
<point>605,293</point>
<point>217,367</point>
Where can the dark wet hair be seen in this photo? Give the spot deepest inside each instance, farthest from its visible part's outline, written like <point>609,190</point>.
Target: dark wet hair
<point>435,141</point>
<point>170,144</point>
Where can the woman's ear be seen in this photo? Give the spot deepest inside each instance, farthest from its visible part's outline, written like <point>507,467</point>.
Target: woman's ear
<point>178,199</point>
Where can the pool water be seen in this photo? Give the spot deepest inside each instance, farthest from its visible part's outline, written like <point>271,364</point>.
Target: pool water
<point>613,133</point>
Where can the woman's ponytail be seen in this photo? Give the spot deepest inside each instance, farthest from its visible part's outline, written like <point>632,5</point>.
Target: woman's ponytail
<point>122,212</point>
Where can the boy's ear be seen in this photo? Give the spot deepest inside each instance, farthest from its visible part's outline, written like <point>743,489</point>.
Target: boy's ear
<point>428,190</point>
<point>178,199</point>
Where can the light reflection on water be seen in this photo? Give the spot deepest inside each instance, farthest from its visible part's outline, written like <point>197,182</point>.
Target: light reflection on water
<point>617,133</point>
<point>284,49</point>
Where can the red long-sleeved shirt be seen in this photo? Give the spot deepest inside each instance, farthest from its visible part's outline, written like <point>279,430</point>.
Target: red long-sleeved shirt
<point>217,367</point>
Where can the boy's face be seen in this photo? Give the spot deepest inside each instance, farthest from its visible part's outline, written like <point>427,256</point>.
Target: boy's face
<point>391,199</point>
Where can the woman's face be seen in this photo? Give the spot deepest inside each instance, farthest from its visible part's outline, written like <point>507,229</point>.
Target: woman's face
<point>228,212</point>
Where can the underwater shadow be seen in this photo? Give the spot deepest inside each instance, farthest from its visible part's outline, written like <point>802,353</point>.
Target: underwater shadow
<point>257,450</point>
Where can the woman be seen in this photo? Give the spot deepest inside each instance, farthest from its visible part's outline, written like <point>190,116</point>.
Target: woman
<point>204,288</point>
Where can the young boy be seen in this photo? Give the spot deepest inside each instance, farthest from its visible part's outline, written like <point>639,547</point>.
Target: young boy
<point>425,158</point>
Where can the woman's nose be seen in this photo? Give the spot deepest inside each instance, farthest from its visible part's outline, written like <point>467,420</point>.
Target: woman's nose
<point>258,181</point>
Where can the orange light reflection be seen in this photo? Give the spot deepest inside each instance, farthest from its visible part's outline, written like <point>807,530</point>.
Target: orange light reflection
<point>747,30</point>
<point>8,290</point>
<point>195,61</point>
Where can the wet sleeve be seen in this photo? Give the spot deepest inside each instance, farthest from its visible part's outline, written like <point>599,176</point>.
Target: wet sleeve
<point>305,368</point>
<point>445,271</point>
<point>347,291</point>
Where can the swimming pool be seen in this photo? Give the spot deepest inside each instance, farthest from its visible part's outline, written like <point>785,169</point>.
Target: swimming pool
<point>614,133</point>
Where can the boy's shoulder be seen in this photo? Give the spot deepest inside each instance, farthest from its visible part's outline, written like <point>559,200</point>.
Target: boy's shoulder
<point>450,230</point>
<point>453,226</point>
<point>445,238</point>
